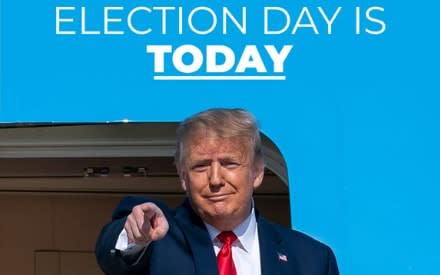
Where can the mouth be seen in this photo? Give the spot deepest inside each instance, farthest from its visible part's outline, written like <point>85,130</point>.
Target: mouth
<point>217,197</point>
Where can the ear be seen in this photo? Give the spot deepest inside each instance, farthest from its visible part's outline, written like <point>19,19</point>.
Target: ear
<point>182,179</point>
<point>258,174</point>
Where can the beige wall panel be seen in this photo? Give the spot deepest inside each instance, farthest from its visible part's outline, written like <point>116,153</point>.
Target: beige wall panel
<point>47,263</point>
<point>76,263</point>
<point>79,219</point>
<point>17,261</point>
<point>25,224</point>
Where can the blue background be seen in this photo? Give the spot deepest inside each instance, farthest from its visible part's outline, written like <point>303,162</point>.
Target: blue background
<point>357,120</point>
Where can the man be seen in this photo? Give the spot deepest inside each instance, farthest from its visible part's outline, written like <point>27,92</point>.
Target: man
<point>216,230</point>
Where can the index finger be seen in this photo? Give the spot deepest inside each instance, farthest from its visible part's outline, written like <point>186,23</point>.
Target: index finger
<point>150,209</point>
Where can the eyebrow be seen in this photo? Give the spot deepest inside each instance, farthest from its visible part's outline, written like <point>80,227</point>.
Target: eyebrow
<point>208,160</point>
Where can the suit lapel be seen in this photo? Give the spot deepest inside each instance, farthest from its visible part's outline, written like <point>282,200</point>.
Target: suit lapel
<point>198,240</point>
<point>273,255</point>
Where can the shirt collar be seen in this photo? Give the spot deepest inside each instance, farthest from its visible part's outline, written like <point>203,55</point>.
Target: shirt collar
<point>245,231</point>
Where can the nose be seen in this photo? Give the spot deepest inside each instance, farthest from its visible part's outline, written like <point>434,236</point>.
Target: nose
<point>215,177</point>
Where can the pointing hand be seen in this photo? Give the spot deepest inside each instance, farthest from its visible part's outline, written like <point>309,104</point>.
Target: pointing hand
<point>146,223</point>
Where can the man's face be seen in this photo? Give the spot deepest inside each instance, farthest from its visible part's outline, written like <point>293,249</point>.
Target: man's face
<point>219,177</point>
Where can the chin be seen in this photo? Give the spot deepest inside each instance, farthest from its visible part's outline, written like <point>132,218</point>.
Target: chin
<point>219,213</point>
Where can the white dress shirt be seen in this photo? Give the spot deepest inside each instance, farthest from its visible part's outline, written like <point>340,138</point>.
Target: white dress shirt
<point>245,250</point>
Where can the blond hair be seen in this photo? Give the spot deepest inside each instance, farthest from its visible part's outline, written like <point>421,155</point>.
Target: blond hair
<point>224,123</point>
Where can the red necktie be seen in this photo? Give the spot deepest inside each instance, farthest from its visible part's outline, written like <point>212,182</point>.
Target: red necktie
<point>225,262</point>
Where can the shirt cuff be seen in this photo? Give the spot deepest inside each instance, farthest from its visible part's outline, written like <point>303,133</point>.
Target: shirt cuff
<point>125,247</point>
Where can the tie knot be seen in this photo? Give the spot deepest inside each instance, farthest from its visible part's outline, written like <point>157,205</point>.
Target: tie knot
<point>227,237</point>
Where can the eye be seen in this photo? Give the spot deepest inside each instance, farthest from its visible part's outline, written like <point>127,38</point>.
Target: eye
<point>199,167</point>
<point>230,164</point>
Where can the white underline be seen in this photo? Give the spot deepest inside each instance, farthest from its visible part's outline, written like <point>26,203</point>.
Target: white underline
<point>219,77</point>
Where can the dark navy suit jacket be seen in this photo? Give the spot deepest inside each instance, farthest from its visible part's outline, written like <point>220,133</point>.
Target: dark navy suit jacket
<point>187,248</point>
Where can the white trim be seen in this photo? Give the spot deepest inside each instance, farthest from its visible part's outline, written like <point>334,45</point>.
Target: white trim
<point>219,77</point>
<point>90,141</point>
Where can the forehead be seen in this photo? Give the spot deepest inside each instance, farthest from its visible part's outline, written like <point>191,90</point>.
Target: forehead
<point>210,144</point>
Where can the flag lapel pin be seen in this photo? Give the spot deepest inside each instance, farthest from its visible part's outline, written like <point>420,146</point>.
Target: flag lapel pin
<point>282,257</point>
